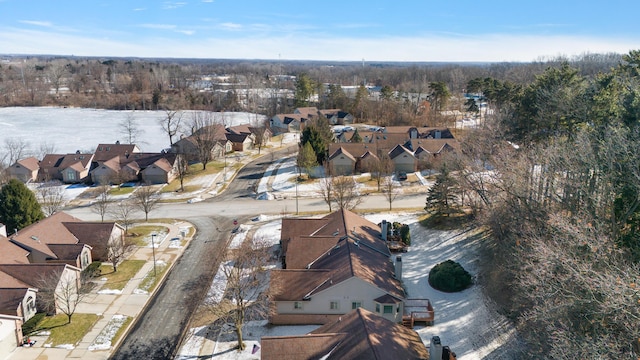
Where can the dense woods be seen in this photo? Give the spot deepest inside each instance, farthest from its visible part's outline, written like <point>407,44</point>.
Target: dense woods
<point>553,173</point>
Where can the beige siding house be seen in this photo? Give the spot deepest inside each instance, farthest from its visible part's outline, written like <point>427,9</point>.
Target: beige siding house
<point>331,266</point>
<point>25,170</point>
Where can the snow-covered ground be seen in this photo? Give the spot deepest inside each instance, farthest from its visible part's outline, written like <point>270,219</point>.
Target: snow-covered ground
<point>464,321</point>
<point>71,129</point>
<point>103,340</point>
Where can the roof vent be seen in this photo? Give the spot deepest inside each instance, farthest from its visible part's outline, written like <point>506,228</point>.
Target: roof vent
<point>33,237</point>
<point>336,233</point>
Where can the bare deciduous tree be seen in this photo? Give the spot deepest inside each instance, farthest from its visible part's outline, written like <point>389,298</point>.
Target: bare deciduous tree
<point>14,150</point>
<point>146,200</point>
<point>381,168</point>
<point>390,190</point>
<point>51,197</point>
<point>103,201</point>
<point>171,123</point>
<point>61,291</point>
<point>345,193</point>
<point>118,250</point>
<point>325,190</point>
<point>130,129</point>
<point>182,167</point>
<point>124,213</point>
<point>247,290</point>
<point>205,129</point>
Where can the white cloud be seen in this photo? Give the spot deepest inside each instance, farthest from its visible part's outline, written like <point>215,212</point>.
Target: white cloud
<point>158,26</point>
<point>139,9</point>
<point>231,26</point>
<point>428,47</point>
<point>207,1</point>
<point>37,23</point>
<point>169,5</point>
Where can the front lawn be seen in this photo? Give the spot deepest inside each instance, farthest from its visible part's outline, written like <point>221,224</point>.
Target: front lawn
<point>121,191</point>
<point>67,334</point>
<point>126,270</point>
<point>142,232</point>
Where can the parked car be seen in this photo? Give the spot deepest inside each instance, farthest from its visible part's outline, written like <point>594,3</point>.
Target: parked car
<point>402,176</point>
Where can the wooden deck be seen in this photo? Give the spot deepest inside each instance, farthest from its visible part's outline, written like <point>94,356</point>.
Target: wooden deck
<point>417,310</point>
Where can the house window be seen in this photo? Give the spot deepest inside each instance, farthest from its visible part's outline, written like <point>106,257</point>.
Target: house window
<point>297,305</point>
<point>333,305</point>
<point>356,304</point>
<point>388,309</point>
<point>71,175</point>
<point>377,308</point>
<point>31,305</point>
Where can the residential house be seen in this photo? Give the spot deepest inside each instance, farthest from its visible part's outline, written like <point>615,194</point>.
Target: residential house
<point>310,112</point>
<point>17,305</point>
<point>283,123</point>
<point>407,155</point>
<point>240,142</point>
<point>101,236</point>
<point>49,241</point>
<point>68,168</point>
<point>213,136</point>
<point>331,266</point>
<point>347,158</point>
<point>359,334</point>
<point>337,116</point>
<point>25,170</point>
<point>118,163</point>
<point>403,159</point>
<point>60,278</point>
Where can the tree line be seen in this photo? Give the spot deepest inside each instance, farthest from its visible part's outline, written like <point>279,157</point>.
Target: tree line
<point>554,175</point>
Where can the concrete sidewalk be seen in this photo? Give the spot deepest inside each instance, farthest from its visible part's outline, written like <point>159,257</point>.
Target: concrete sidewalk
<point>126,303</point>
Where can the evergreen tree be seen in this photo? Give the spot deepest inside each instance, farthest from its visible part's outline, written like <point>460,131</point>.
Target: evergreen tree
<point>356,138</point>
<point>441,196</point>
<point>18,206</point>
<point>306,158</point>
<point>318,134</point>
<point>304,89</point>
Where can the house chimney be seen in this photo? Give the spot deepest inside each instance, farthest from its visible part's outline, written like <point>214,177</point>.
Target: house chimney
<point>3,230</point>
<point>383,230</point>
<point>117,142</point>
<point>398,267</point>
<point>435,349</point>
<point>438,134</point>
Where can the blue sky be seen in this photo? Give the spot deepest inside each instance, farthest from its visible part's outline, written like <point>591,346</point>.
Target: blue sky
<point>347,30</point>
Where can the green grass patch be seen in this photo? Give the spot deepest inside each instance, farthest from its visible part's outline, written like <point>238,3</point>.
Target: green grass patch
<point>121,190</point>
<point>151,280</point>
<point>142,232</point>
<point>63,333</point>
<point>126,270</point>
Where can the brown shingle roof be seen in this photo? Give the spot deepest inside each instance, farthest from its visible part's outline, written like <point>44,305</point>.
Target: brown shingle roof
<point>373,337</point>
<point>8,281</point>
<point>11,253</point>
<point>106,152</point>
<point>302,250</point>
<point>358,251</point>
<point>10,300</point>
<point>30,163</point>
<point>357,335</point>
<point>301,347</point>
<point>297,227</point>
<point>33,274</point>
<point>294,285</point>
<point>67,252</point>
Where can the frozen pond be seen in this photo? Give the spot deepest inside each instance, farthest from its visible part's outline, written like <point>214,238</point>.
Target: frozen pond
<point>71,129</point>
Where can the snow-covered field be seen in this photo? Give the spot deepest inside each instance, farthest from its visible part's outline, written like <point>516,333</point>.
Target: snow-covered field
<point>464,321</point>
<point>71,129</point>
